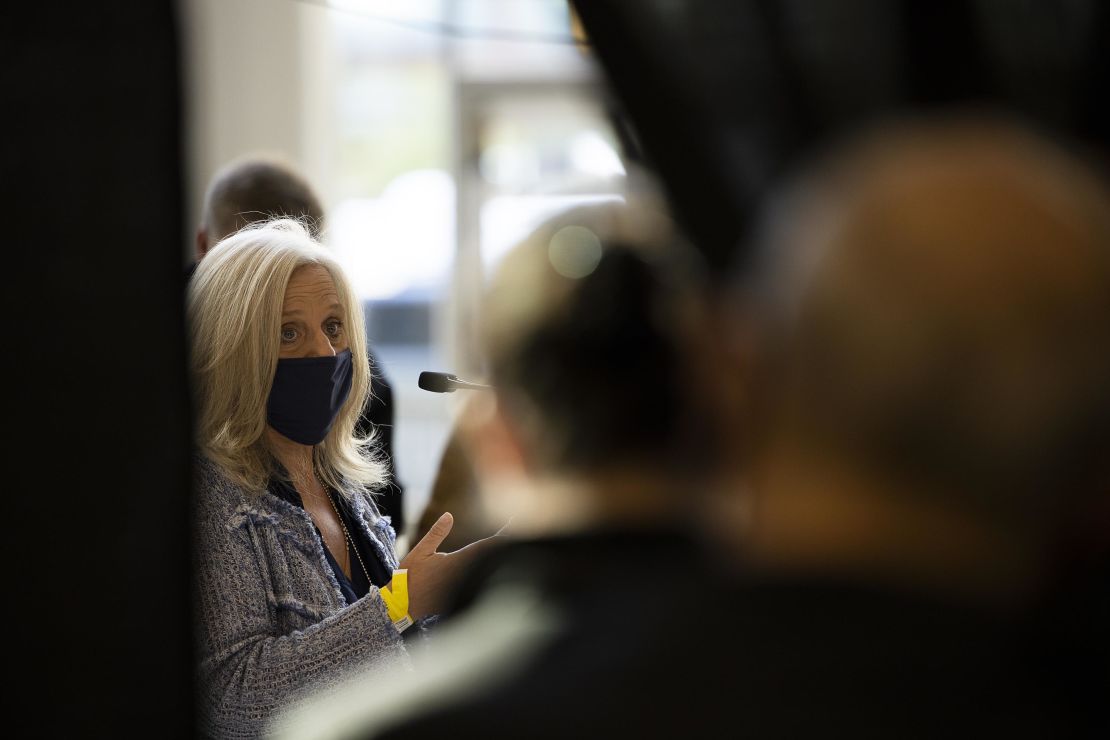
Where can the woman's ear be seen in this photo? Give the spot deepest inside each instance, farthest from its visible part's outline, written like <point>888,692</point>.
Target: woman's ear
<point>201,243</point>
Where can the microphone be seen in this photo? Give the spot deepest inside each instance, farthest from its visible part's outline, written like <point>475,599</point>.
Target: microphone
<point>445,383</point>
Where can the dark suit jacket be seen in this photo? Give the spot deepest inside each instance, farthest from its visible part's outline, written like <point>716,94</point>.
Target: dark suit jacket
<point>378,414</point>
<point>651,644</point>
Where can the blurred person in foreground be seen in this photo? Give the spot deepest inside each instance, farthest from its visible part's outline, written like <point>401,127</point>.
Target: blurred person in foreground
<point>256,188</point>
<point>596,440</point>
<point>297,581</point>
<point>932,417</point>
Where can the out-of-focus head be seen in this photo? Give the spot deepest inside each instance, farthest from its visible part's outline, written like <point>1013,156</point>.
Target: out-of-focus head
<point>940,304</point>
<point>238,333</point>
<point>254,189</point>
<point>592,330</point>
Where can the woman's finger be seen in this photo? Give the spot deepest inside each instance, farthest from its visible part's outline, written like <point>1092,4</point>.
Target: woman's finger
<point>430,542</point>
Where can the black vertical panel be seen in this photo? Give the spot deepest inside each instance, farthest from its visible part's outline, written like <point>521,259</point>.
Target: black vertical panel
<point>729,96</point>
<point>651,75</point>
<point>95,407</point>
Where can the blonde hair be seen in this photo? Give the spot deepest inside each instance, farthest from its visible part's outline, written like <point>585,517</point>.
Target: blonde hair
<point>234,312</point>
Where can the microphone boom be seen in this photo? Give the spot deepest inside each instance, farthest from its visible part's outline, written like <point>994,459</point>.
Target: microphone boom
<point>446,383</point>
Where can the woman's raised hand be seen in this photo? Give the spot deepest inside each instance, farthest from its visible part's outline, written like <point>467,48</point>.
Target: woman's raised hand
<point>431,574</point>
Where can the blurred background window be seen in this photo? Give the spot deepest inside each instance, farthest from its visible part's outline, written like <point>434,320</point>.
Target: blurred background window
<point>437,132</point>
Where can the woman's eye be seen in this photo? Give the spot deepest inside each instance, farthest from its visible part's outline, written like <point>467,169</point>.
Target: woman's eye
<point>288,335</point>
<point>334,328</point>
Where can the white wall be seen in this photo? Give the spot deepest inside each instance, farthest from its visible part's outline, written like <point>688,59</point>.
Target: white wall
<point>255,74</point>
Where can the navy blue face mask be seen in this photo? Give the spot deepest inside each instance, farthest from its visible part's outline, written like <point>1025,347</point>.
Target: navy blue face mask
<point>307,395</point>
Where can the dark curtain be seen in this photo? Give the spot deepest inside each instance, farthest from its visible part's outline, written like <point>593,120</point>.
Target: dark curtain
<point>726,96</point>
<point>97,627</point>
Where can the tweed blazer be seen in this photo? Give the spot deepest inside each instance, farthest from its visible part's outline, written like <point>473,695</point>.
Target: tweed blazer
<point>272,623</point>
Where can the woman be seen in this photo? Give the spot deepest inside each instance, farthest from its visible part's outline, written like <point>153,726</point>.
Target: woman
<point>297,580</point>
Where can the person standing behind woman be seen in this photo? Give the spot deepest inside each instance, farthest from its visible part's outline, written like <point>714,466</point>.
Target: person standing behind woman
<point>297,581</point>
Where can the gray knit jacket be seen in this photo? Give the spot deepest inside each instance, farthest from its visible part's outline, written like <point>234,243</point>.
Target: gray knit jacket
<point>272,623</point>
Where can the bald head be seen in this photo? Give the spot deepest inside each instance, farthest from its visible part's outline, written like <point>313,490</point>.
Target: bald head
<point>252,190</point>
<point>942,295</point>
